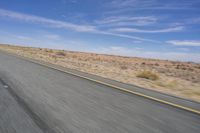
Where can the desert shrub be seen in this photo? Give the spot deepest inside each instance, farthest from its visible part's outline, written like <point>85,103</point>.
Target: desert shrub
<point>148,75</point>
<point>60,53</point>
<point>123,67</point>
<point>74,56</point>
<point>177,67</point>
<point>171,84</point>
<point>50,51</point>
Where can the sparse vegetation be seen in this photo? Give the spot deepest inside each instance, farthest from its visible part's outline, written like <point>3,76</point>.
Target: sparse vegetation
<point>177,78</point>
<point>60,53</point>
<point>148,75</point>
<point>123,67</point>
<point>171,84</point>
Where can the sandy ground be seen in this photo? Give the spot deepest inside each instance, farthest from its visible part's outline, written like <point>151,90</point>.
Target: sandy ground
<point>176,78</point>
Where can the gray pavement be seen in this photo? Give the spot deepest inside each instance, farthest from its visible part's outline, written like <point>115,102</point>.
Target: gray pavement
<point>53,101</point>
<point>13,119</point>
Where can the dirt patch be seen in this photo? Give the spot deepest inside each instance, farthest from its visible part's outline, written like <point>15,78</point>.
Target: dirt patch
<point>176,78</point>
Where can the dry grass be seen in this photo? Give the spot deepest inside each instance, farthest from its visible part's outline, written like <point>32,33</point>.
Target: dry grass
<point>170,84</point>
<point>176,78</point>
<point>60,53</point>
<point>148,75</point>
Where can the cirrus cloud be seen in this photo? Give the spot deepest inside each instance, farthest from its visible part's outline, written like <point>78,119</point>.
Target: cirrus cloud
<point>184,42</point>
<point>132,30</point>
<point>127,20</point>
<point>45,21</point>
<point>63,24</point>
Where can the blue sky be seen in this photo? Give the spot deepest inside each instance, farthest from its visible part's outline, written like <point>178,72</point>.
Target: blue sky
<point>143,28</point>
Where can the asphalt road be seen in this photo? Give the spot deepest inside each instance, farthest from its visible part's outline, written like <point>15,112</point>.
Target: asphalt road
<point>35,99</point>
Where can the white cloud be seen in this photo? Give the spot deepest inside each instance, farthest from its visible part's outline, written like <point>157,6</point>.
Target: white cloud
<point>128,36</point>
<point>152,5</point>
<point>130,3</point>
<point>46,21</point>
<point>61,24</point>
<point>185,42</point>
<point>42,40</point>
<point>78,45</point>
<point>126,6</point>
<point>138,52</point>
<point>132,30</point>
<point>126,20</point>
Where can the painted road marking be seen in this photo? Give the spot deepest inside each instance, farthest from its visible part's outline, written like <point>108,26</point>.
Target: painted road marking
<point>115,87</point>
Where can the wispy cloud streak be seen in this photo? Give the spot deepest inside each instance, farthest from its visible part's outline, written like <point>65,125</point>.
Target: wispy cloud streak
<point>62,24</point>
<point>45,21</point>
<point>127,20</point>
<point>185,42</point>
<point>128,36</point>
<point>132,30</point>
<point>153,4</point>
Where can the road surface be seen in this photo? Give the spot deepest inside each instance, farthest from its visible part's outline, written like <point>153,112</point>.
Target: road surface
<point>38,99</point>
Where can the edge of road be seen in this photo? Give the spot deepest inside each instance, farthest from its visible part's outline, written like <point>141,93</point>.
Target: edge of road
<point>173,101</point>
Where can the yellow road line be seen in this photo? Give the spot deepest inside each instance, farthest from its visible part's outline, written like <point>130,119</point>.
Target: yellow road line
<point>126,90</point>
<point>120,88</point>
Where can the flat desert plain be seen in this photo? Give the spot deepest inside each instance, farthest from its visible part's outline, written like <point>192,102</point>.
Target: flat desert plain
<point>181,79</point>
